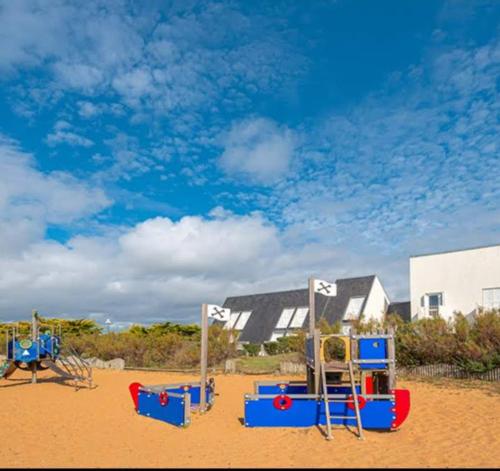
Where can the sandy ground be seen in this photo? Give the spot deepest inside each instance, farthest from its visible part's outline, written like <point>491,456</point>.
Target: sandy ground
<point>51,425</point>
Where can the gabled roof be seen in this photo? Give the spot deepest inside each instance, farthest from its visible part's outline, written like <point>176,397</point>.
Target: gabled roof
<point>403,309</point>
<point>267,307</point>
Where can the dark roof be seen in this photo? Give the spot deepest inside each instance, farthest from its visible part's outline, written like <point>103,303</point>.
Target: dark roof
<point>403,309</point>
<point>267,307</point>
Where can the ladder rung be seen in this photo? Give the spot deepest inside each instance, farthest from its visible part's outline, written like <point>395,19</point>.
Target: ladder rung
<point>352,417</point>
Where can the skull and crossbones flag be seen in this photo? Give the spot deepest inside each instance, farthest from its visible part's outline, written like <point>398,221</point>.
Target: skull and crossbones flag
<point>325,288</point>
<point>218,313</point>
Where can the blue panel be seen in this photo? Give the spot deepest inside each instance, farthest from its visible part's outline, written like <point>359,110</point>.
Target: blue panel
<point>301,389</point>
<point>262,413</point>
<point>26,355</point>
<point>172,413</point>
<point>194,391</point>
<point>309,412</point>
<point>375,349</point>
<point>46,348</point>
<point>275,389</point>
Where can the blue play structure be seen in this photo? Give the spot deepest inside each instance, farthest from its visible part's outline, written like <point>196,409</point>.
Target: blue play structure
<point>41,351</point>
<point>369,400</point>
<point>27,351</point>
<point>171,403</point>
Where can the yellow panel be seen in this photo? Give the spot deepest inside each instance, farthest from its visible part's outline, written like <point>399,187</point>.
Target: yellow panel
<point>324,339</point>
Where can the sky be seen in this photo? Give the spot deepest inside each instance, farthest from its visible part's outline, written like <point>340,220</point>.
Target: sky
<point>158,155</point>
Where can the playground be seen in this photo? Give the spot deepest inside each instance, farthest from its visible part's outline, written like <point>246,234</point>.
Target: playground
<point>450,425</point>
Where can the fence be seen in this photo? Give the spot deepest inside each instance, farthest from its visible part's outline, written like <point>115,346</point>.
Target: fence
<point>449,371</point>
<point>429,371</point>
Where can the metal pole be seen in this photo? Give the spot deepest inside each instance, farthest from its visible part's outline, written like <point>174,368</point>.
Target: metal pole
<point>317,362</point>
<point>204,357</point>
<point>312,307</point>
<point>34,339</point>
<point>391,358</point>
<point>14,342</point>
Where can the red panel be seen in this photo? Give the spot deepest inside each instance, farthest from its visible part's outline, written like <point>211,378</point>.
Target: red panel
<point>369,385</point>
<point>134,392</point>
<point>361,402</point>
<point>402,408</point>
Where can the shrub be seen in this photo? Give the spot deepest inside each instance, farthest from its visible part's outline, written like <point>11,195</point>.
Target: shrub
<point>271,348</point>
<point>252,349</point>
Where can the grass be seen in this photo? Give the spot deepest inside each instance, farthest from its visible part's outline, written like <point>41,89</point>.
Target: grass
<point>263,365</point>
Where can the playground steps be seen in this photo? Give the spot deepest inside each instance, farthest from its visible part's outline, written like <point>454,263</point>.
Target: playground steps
<point>354,400</point>
<point>72,367</point>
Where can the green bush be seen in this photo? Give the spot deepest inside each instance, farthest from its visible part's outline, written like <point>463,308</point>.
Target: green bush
<point>252,349</point>
<point>474,347</point>
<point>271,348</point>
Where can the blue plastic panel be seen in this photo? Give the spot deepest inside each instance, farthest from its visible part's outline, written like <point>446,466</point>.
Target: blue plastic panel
<point>173,412</point>
<point>308,412</point>
<point>300,389</point>
<point>194,391</point>
<point>375,349</point>
<point>25,355</point>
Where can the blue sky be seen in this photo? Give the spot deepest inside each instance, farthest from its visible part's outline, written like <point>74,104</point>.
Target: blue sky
<point>156,155</point>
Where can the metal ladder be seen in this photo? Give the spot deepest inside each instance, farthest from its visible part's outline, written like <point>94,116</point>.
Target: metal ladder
<point>77,367</point>
<point>354,400</point>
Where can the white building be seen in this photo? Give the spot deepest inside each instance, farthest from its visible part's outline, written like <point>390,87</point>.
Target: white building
<point>259,318</point>
<point>460,281</point>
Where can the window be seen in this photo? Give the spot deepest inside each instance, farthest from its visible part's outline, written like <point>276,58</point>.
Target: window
<point>237,320</point>
<point>242,320</point>
<point>435,300</point>
<point>232,320</point>
<point>353,309</point>
<point>291,318</point>
<point>491,298</point>
<point>285,318</point>
<point>299,317</point>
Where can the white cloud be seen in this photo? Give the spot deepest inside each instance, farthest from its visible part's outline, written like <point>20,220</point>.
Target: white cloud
<point>86,109</point>
<point>188,59</point>
<point>78,76</point>
<point>62,134</point>
<point>31,200</point>
<point>157,268</point>
<point>134,84</point>
<point>195,246</point>
<point>259,149</point>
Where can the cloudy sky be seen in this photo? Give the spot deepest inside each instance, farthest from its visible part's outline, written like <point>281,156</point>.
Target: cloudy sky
<point>156,155</point>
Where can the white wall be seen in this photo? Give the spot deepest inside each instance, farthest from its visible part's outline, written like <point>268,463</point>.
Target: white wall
<point>461,276</point>
<point>376,303</point>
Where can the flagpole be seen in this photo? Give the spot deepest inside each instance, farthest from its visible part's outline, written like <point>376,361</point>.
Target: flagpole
<point>204,357</point>
<point>312,307</point>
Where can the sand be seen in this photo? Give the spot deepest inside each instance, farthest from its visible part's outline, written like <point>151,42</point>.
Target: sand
<point>51,425</point>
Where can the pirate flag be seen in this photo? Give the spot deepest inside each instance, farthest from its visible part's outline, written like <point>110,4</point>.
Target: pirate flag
<point>325,288</point>
<point>218,313</point>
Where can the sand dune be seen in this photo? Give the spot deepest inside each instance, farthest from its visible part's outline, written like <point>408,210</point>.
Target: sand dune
<point>51,425</point>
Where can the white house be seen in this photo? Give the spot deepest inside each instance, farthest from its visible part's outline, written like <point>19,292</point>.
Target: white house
<point>447,282</point>
<point>259,318</point>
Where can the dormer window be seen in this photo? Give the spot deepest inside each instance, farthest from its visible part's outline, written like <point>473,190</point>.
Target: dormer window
<point>353,309</point>
<point>238,320</point>
<point>291,319</point>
